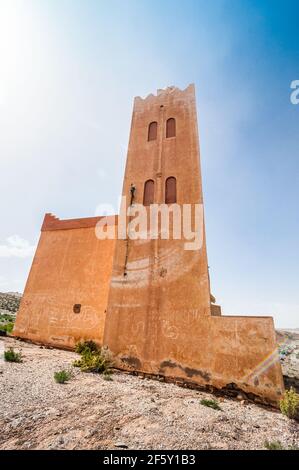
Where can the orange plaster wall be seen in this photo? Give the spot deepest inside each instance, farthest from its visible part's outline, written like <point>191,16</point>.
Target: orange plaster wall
<point>71,266</point>
<point>219,351</point>
<point>206,350</point>
<point>153,278</point>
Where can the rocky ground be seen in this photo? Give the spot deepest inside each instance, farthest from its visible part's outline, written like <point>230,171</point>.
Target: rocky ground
<point>9,302</point>
<point>89,412</point>
<point>9,305</point>
<point>288,341</point>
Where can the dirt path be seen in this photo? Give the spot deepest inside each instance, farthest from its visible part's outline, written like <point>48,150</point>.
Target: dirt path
<point>91,413</point>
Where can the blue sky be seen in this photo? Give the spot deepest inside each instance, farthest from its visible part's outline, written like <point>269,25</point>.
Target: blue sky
<point>68,73</point>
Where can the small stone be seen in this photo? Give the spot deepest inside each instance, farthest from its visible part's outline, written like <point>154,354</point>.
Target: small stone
<point>90,433</point>
<point>220,446</point>
<point>16,422</point>
<point>121,445</point>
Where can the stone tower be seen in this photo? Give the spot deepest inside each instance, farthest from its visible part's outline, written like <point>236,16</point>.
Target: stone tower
<point>148,298</point>
<point>156,283</point>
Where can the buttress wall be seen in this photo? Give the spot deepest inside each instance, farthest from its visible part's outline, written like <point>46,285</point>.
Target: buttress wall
<point>65,298</point>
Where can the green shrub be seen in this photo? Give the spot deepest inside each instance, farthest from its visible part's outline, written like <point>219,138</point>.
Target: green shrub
<point>6,317</point>
<point>86,346</point>
<point>277,445</point>
<point>94,360</point>
<point>7,327</point>
<point>107,376</point>
<point>3,330</point>
<point>11,356</point>
<point>274,445</point>
<point>62,376</point>
<point>289,404</point>
<point>211,404</point>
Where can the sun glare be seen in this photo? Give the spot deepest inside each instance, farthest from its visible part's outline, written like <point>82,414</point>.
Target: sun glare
<point>17,30</point>
<point>11,12</point>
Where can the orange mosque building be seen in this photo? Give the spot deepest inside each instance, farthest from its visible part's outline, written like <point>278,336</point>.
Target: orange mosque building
<point>149,300</point>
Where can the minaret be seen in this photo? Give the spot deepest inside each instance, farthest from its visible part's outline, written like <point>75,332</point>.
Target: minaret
<point>158,284</point>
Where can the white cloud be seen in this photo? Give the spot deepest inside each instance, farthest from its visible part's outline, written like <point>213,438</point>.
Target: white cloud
<point>17,247</point>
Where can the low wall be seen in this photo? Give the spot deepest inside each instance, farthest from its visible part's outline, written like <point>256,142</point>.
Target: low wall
<point>218,352</point>
<point>71,267</point>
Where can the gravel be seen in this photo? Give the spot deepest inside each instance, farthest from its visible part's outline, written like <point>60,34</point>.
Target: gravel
<point>89,412</point>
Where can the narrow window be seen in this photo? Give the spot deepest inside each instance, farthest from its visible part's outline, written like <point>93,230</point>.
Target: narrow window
<point>152,131</point>
<point>170,190</point>
<point>170,127</point>
<point>77,308</point>
<point>148,195</point>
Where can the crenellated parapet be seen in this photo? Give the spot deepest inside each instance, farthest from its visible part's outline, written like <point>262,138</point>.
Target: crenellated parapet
<point>51,222</point>
<point>163,96</point>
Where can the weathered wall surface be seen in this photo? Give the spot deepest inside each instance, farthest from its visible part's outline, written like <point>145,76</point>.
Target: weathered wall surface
<point>208,351</point>
<point>159,317</point>
<point>71,266</point>
<point>154,278</point>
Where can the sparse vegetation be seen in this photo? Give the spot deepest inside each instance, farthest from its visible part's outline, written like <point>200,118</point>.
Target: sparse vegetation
<point>9,302</point>
<point>273,445</point>
<point>7,327</point>
<point>62,376</point>
<point>284,351</point>
<point>210,404</point>
<point>9,305</point>
<point>6,317</point>
<point>107,376</point>
<point>289,404</point>
<point>12,356</point>
<point>93,359</point>
<point>86,346</point>
<point>37,409</point>
<point>6,323</point>
<point>277,445</point>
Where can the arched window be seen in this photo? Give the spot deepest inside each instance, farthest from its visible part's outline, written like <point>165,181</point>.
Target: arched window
<point>170,127</point>
<point>148,195</point>
<point>152,131</point>
<point>170,190</point>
